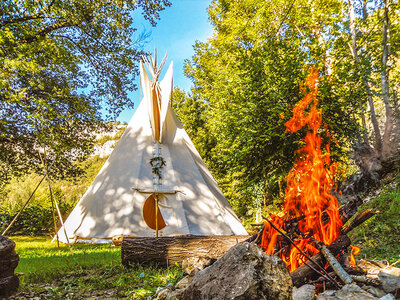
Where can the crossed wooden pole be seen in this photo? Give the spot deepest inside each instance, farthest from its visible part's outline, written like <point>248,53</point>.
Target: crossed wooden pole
<point>53,202</point>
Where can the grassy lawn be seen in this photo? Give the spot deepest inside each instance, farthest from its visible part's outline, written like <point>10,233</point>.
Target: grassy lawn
<point>95,271</point>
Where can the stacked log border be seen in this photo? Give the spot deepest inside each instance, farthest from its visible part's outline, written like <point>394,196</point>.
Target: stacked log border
<point>9,282</point>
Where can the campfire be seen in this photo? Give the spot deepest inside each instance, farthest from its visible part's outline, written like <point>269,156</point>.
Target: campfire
<point>309,232</point>
<point>311,212</point>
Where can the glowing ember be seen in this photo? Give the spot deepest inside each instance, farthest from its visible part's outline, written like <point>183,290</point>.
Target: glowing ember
<point>354,251</point>
<point>308,200</point>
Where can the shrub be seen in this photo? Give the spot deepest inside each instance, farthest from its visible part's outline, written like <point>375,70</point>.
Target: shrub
<point>34,220</point>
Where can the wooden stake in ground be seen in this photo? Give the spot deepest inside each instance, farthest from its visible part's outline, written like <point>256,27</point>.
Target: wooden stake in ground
<point>156,203</point>
<point>61,220</point>
<point>46,170</point>
<point>54,202</point>
<point>26,203</point>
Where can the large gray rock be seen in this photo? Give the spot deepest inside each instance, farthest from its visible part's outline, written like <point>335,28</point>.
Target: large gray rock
<point>305,292</point>
<point>194,264</point>
<point>390,279</point>
<point>184,282</point>
<point>377,292</point>
<point>387,297</point>
<point>244,272</point>
<point>349,291</point>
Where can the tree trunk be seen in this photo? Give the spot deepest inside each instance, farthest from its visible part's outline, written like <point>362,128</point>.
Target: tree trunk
<point>387,146</point>
<point>169,250</point>
<point>374,120</point>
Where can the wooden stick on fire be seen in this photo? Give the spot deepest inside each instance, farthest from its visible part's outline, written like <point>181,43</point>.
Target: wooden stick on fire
<point>336,266</point>
<point>325,274</point>
<point>358,220</point>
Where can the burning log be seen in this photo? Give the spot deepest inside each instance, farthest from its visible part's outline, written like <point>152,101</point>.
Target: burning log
<point>311,216</point>
<point>256,238</point>
<point>174,249</point>
<point>310,262</point>
<point>336,265</point>
<point>358,220</point>
<point>303,274</point>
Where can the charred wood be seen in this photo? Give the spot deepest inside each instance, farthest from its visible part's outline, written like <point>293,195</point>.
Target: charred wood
<point>358,220</point>
<point>304,274</point>
<point>256,238</point>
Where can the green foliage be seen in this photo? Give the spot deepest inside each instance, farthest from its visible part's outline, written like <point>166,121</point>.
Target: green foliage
<point>190,111</point>
<point>34,220</point>
<point>90,271</point>
<point>247,79</point>
<point>60,62</point>
<point>379,237</point>
<point>37,219</point>
<point>157,163</point>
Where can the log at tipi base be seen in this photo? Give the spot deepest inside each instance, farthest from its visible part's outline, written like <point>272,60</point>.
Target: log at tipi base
<point>174,249</point>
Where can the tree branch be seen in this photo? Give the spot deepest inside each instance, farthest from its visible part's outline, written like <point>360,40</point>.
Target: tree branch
<point>21,19</point>
<point>50,29</point>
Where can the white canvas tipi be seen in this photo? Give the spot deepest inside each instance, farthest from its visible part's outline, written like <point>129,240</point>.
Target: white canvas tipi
<point>154,182</point>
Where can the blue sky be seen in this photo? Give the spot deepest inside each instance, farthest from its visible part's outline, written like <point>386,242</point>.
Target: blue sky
<point>179,27</point>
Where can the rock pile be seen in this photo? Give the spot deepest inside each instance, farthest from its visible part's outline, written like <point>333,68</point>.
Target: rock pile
<point>246,272</point>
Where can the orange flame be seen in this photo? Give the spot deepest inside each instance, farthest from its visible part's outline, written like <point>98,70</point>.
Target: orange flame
<point>309,184</point>
<point>354,251</point>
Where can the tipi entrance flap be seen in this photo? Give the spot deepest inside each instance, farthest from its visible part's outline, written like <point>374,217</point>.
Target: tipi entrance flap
<point>173,218</point>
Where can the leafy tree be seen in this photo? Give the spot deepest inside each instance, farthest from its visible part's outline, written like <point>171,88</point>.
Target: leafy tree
<point>248,78</point>
<point>60,63</point>
<point>374,61</point>
<point>190,111</point>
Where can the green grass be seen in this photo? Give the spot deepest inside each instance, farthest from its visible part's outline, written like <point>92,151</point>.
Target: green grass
<point>379,237</point>
<point>51,272</point>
